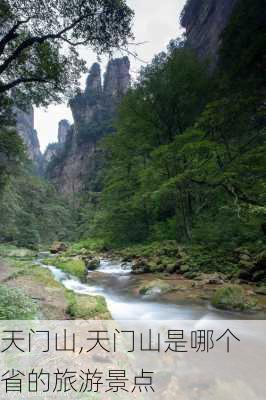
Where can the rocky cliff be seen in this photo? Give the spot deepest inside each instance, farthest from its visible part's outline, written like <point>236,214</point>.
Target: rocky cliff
<point>25,128</point>
<point>75,167</point>
<point>54,150</point>
<point>63,130</point>
<point>204,22</point>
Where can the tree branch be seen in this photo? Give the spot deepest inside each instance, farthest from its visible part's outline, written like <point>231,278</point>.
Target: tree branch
<point>11,34</point>
<point>38,39</point>
<point>232,191</point>
<point>19,81</point>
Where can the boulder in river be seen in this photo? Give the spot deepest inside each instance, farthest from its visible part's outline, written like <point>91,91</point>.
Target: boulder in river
<point>92,263</point>
<point>212,279</point>
<point>139,266</point>
<point>155,288</point>
<point>58,247</point>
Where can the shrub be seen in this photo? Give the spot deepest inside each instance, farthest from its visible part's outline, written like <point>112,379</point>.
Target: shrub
<point>15,304</point>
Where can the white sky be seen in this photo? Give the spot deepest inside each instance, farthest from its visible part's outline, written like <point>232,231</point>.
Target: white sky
<point>156,22</point>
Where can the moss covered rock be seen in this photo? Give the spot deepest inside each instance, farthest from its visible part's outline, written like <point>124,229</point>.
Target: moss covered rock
<point>92,263</point>
<point>155,288</point>
<point>74,266</point>
<point>87,307</point>
<point>232,298</point>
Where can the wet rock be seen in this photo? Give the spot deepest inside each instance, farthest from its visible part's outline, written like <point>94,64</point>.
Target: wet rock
<point>155,288</point>
<point>172,268</point>
<point>92,263</point>
<point>58,247</point>
<point>126,259</point>
<point>139,266</point>
<point>215,279</point>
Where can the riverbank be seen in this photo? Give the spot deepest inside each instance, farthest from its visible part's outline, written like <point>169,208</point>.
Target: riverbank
<point>173,274</point>
<point>105,284</point>
<point>32,292</point>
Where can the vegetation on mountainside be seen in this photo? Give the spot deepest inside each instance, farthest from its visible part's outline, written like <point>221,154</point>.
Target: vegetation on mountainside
<point>188,160</point>
<point>186,165</point>
<point>11,154</point>
<point>32,212</point>
<point>40,64</point>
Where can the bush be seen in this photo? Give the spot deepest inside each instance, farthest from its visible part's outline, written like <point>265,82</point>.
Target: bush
<point>15,304</point>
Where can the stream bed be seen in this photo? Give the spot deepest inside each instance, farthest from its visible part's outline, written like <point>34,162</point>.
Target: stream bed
<point>112,281</point>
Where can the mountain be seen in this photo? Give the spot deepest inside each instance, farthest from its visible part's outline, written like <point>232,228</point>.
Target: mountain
<point>204,22</point>
<point>74,166</point>
<point>25,128</point>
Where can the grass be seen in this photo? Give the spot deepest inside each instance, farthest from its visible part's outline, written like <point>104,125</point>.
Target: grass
<point>8,250</point>
<point>88,244</point>
<point>43,296</point>
<point>15,304</point>
<point>73,266</point>
<point>87,307</point>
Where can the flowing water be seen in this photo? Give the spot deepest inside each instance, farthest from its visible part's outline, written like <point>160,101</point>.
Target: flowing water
<point>113,280</point>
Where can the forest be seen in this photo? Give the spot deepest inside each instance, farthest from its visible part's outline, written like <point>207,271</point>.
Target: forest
<point>184,156</point>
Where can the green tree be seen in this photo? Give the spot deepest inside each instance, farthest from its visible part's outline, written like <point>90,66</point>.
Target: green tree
<point>144,180</point>
<point>38,43</point>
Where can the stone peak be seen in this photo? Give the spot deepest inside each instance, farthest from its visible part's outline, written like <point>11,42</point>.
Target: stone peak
<point>117,77</point>
<point>63,130</point>
<point>94,80</point>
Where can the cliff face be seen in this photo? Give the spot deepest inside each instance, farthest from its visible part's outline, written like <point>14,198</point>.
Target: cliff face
<point>25,128</point>
<point>75,168</point>
<point>204,21</point>
<point>54,150</point>
<point>63,130</point>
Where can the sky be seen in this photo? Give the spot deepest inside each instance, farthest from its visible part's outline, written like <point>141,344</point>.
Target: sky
<point>155,25</point>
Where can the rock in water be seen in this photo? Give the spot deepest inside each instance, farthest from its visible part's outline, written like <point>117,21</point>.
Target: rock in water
<point>92,263</point>
<point>58,247</point>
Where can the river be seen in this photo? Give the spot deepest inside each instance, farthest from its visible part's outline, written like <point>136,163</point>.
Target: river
<point>112,280</point>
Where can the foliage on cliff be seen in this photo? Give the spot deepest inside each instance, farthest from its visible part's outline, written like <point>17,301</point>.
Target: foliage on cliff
<point>39,60</point>
<point>32,213</point>
<point>188,159</point>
